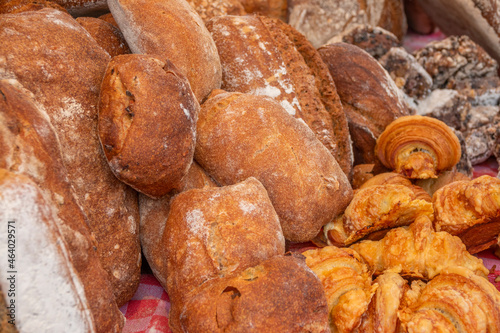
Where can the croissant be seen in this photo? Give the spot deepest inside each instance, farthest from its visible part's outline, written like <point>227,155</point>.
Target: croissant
<point>418,147</point>
<point>396,178</point>
<point>376,209</point>
<point>457,300</point>
<point>347,283</point>
<point>470,210</point>
<point>417,251</point>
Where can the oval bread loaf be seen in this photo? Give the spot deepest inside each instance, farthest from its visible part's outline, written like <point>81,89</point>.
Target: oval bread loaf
<point>305,183</point>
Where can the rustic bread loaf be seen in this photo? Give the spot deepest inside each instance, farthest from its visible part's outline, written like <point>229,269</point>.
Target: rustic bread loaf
<point>47,291</point>
<point>147,123</point>
<point>54,57</point>
<point>320,20</point>
<point>370,98</point>
<point>242,135</point>
<point>264,56</point>
<point>279,295</point>
<point>18,6</point>
<point>215,232</point>
<point>212,8</point>
<point>108,36</point>
<point>171,30</point>
<point>29,146</point>
<point>272,8</point>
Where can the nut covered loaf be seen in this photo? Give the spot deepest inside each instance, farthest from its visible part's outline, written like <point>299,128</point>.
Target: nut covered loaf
<point>171,30</point>
<point>305,183</point>
<point>51,55</point>
<point>147,123</point>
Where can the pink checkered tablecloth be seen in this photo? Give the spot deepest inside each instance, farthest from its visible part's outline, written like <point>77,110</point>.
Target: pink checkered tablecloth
<point>147,311</point>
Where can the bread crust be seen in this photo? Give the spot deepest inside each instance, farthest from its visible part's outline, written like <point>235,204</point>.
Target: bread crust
<point>305,183</point>
<point>108,36</point>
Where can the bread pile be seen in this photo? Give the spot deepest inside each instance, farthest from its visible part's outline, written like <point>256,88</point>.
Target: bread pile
<point>208,136</point>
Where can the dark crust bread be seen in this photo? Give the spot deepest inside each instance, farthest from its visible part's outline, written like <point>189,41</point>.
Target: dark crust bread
<point>171,30</point>
<point>342,145</point>
<point>215,232</point>
<point>18,6</point>
<point>370,97</point>
<point>147,123</point>
<point>279,295</point>
<point>55,58</point>
<point>29,145</point>
<point>305,183</point>
<point>108,36</point>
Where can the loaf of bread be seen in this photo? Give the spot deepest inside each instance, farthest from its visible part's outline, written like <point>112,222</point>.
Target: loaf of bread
<point>147,123</point>
<point>370,98</point>
<point>215,232</point>
<point>173,31</point>
<point>267,57</point>
<point>29,146</point>
<point>305,183</point>
<point>108,36</point>
<point>271,8</point>
<point>18,6</point>
<point>52,55</point>
<point>212,8</point>
<point>279,295</point>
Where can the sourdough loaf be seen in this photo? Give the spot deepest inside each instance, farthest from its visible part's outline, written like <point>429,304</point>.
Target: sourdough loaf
<point>18,6</point>
<point>212,8</point>
<point>271,8</point>
<point>215,232</point>
<point>147,123</point>
<point>108,36</point>
<point>171,30</point>
<point>305,183</point>
<point>29,146</point>
<point>267,57</point>
<point>52,55</point>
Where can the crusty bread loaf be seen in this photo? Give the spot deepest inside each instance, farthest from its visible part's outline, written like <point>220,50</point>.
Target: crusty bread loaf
<point>55,58</point>
<point>29,146</point>
<point>305,183</point>
<point>147,123</point>
<point>18,6</point>
<point>279,295</point>
<point>108,36</point>
<point>267,57</point>
<point>212,8</point>
<point>47,291</point>
<point>370,98</point>
<point>215,232</point>
<point>272,8</point>
<point>171,30</point>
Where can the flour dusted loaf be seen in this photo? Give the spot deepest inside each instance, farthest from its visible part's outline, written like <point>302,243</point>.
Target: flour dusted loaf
<point>279,295</point>
<point>215,232</point>
<point>147,123</point>
<point>171,30</point>
<point>305,183</point>
<point>29,146</point>
<point>52,55</point>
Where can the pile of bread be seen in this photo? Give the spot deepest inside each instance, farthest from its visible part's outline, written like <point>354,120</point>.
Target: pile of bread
<point>209,135</point>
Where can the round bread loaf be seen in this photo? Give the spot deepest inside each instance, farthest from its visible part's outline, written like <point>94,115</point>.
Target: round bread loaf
<point>108,36</point>
<point>147,123</point>
<point>242,135</point>
<point>171,30</point>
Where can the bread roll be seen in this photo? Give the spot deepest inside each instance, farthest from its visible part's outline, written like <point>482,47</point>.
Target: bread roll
<point>55,58</point>
<point>171,30</point>
<point>214,232</point>
<point>370,98</point>
<point>108,36</point>
<point>147,123</point>
<point>264,56</point>
<point>29,146</point>
<point>279,295</point>
<point>242,135</point>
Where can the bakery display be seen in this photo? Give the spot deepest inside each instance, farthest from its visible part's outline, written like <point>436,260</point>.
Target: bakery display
<point>208,165</point>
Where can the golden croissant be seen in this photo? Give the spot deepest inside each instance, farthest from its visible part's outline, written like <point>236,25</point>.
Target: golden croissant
<point>470,210</point>
<point>417,251</point>
<point>418,147</point>
<point>376,209</point>
<point>347,283</point>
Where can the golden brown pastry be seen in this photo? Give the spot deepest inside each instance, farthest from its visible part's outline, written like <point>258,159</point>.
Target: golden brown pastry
<point>431,185</point>
<point>280,294</point>
<point>266,57</point>
<point>147,123</point>
<point>361,173</point>
<point>418,147</point>
<point>370,98</point>
<point>373,210</point>
<point>470,210</point>
<point>397,179</point>
<point>457,300</point>
<point>305,183</point>
<point>347,282</point>
<point>418,251</point>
